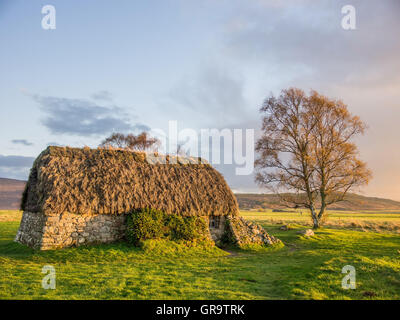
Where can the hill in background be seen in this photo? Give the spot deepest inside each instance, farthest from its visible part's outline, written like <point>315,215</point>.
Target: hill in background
<point>352,202</point>
<point>10,193</point>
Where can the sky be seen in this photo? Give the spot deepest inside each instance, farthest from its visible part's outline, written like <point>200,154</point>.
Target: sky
<point>134,65</point>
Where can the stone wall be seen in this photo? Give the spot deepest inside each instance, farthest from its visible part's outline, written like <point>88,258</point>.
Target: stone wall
<point>45,232</point>
<point>242,232</point>
<point>30,230</point>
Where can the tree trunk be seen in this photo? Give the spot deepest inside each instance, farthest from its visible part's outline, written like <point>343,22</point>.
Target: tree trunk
<point>321,215</point>
<point>323,204</point>
<point>315,223</point>
<point>315,218</point>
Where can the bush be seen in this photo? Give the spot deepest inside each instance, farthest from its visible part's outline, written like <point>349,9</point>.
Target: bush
<point>186,228</point>
<point>152,224</point>
<point>143,225</point>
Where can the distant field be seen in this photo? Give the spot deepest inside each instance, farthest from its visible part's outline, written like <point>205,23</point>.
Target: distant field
<point>364,220</point>
<point>10,215</point>
<point>10,193</point>
<point>352,202</point>
<point>305,268</point>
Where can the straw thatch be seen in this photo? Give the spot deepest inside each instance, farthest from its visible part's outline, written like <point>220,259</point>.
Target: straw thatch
<point>104,181</point>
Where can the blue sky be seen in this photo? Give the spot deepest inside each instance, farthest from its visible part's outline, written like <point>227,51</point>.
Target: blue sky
<point>207,64</point>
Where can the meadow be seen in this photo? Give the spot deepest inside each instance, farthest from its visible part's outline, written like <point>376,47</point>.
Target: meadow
<point>364,220</point>
<point>304,268</point>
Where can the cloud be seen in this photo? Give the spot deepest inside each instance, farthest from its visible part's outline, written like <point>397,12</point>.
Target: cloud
<point>307,43</point>
<point>214,91</point>
<point>15,167</point>
<point>22,141</point>
<point>82,117</point>
<point>139,127</point>
<point>16,161</point>
<point>102,95</point>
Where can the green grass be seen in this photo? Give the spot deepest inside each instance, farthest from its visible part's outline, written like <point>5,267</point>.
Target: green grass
<point>365,220</point>
<point>305,268</point>
<point>303,215</point>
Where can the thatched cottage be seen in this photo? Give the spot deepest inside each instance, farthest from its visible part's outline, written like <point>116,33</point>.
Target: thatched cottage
<point>82,196</point>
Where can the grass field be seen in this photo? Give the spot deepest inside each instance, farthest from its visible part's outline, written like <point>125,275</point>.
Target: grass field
<point>305,268</point>
<point>374,220</point>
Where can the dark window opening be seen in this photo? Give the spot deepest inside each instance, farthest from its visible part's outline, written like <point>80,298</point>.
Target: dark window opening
<point>214,221</point>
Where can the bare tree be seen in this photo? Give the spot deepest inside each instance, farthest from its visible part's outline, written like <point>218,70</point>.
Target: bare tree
<point>306,153</point>
<point>116,140</point>
<point>141,142</point>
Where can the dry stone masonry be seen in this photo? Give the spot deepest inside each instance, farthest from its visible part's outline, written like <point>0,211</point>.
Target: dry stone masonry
<point>45,232</point>
<point>242,232</point>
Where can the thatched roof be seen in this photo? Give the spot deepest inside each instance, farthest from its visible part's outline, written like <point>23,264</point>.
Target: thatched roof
<point>104,181</point>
